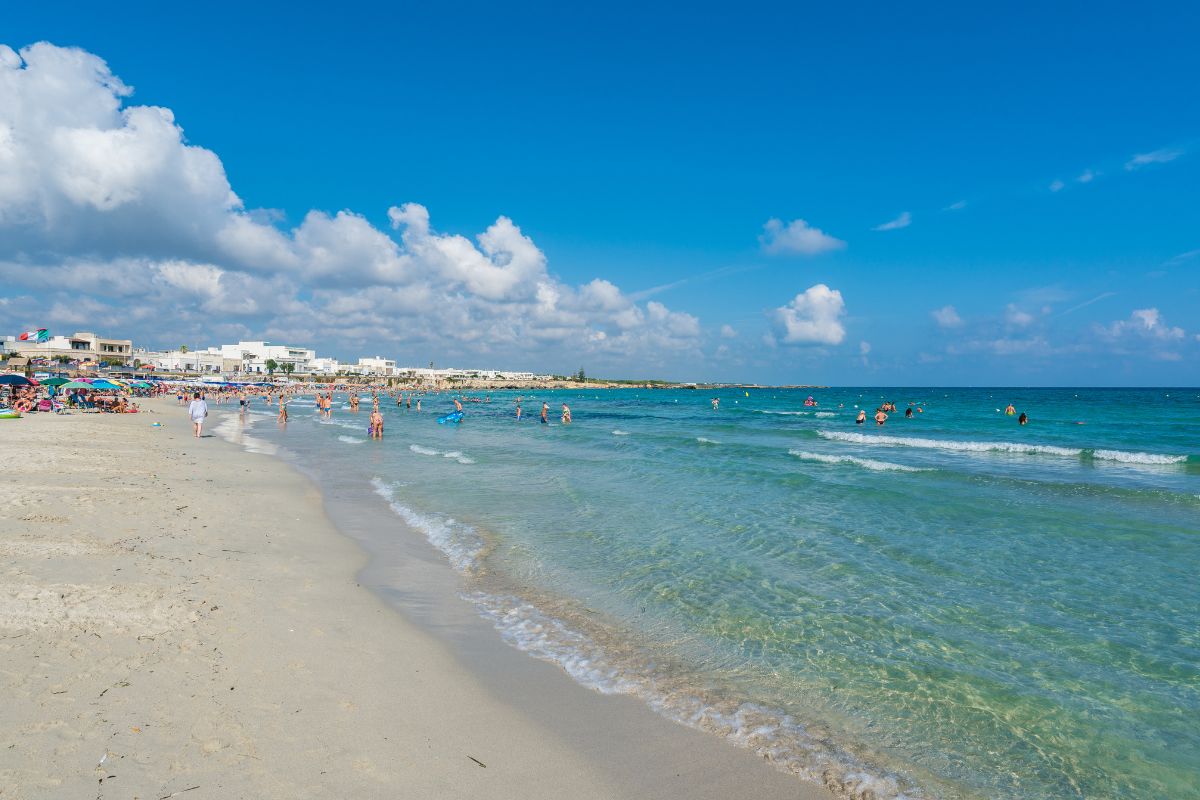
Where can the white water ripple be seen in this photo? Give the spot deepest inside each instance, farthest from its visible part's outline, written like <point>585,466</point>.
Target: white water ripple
<point>866,463</point>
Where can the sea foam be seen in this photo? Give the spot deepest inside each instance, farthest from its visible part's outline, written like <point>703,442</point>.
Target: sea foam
<point>950,444</point>
<point>453,454</point>
<point>461,544</point>
<point>866,463</point>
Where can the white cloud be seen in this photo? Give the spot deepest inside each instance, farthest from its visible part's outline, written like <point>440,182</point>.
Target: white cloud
<point>115,221</point>
<point>946,317</point>
<point>1087,176</point>
<point>728,332</point>
<point>797,236</point>
<point>958,206</point>
<point>902,221</point>
<point>1057,186</point>
<point>1146,323</point>
<point>813,317</point>
<point>1016,317</point>
<point>1160,156</point>
<point>864,348</point>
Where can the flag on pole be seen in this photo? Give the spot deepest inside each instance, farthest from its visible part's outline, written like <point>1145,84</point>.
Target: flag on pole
<point>40,335</point>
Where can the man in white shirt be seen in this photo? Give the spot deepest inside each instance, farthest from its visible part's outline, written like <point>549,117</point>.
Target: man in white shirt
<point>197,410</point>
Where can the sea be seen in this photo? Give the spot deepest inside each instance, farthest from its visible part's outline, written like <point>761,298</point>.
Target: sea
<point>949,605</point>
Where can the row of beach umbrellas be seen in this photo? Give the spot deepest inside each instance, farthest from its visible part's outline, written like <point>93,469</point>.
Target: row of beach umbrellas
<point>13,379</point>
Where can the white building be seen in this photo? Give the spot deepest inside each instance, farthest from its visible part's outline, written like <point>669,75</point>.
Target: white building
<point>252,357</point>
<point>83,346</point>
<point>209,360</point>
<point>384,367</point>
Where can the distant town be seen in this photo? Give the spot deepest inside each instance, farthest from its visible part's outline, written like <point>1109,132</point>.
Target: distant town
<point>257,359</point>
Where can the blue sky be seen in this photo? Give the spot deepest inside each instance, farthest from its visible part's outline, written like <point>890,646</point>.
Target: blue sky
<point>649,148</point>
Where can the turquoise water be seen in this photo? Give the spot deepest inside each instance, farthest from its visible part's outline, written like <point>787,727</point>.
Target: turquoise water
<point>945,606</point>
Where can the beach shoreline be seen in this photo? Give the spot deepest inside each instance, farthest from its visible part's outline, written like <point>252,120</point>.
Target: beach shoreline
<point>180,613</point>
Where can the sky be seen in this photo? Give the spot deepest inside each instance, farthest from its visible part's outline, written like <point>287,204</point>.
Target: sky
<point>883,194</point>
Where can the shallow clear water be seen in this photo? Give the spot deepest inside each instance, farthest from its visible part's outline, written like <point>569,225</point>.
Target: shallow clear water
<point>948,606</point>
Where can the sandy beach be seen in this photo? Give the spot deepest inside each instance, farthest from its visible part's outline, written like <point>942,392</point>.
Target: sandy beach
<point>179,617</point>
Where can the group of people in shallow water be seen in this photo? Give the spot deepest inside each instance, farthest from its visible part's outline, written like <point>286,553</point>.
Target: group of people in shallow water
<point>324,402</point>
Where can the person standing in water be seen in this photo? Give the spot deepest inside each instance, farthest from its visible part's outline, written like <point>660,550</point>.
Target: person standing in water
<point>1021,420</point>
<point>376,427</point>
<point>862,417</point>
<point>282,411</point>
<point>518,409</point>
<point>566,414</point>
<point>545,413</point>
<point>716,402</point>
<point>880,417</point>
<point>1010,411</point>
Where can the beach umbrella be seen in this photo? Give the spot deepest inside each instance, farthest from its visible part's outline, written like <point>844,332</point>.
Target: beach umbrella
<point>55,381</point>
<point>13,379</point>
<point>100,383</point>
<point>77,385</point>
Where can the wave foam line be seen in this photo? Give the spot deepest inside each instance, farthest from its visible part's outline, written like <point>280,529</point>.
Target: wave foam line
<point>866,463</point>
<point>453,454</point>
<point>950,444</point>
<point>773,735</point>
<point>461,544</point>
<point>704,440</point>
<point>1137,458</point>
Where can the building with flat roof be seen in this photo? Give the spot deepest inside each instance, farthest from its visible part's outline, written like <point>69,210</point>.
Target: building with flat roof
<point>82,346</point>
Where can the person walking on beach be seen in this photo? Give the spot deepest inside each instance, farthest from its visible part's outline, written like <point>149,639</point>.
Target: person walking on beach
<point>197,410</point>
<point>282,411</point>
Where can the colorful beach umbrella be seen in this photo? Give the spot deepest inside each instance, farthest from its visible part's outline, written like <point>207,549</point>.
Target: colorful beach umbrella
<point>12,379</point>
<point>77,385</point>
<point>100,383</point>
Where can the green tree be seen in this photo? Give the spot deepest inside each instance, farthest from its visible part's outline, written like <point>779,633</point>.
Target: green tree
<point>271,365</point>
<point>287,368</point>
<point>183,348</point>
<point>580,376</point>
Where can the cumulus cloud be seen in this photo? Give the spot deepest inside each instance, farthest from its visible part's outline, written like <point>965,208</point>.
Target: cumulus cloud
<point>798,237</point>
<point>728,332</point>
<point>946,317</point>
<point>902,221</point>
<point>1145,323</point>
<point>1057,186</point>
<point>1087,176</point>
<point>1016,317</point>
<point>111,219</point>
<point>1160,156</point>
<point>813,317</point>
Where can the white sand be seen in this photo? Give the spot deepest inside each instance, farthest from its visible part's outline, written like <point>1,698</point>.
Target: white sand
<point>179,618</point>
